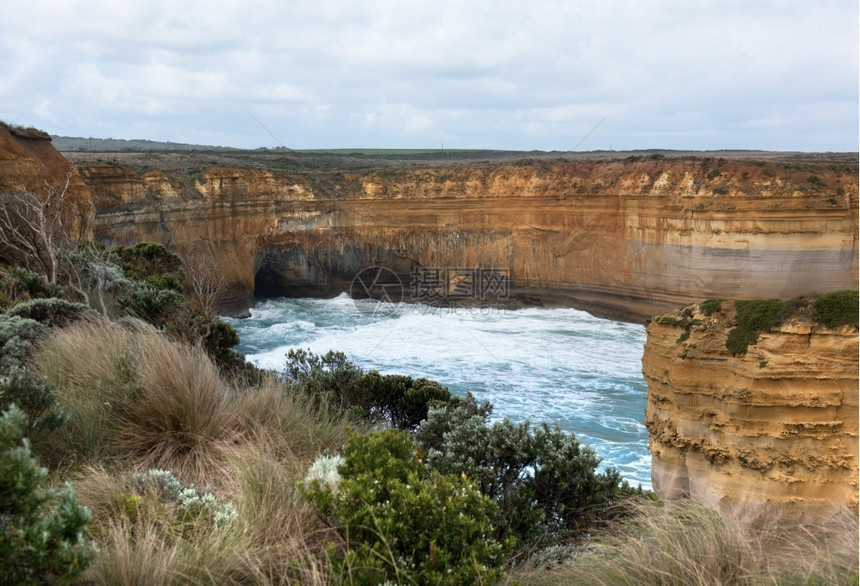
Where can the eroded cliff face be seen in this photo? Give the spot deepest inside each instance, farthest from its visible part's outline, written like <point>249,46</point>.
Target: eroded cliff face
<point>28,162</point>
<point>776,426</point>
<point>624,238</point>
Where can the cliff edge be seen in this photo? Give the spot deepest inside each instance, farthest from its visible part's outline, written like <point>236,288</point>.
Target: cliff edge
<point>776,424</point>
<point>29,162</point>
<point>624,238</point>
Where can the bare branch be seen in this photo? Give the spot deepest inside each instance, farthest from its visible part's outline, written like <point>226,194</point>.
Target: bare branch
<point>88,269</point>
<point>206,282</point>
<point>33,230</point>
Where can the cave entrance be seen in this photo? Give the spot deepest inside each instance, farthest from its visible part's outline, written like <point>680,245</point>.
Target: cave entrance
<point>282,271</point>
<point>288,272</point>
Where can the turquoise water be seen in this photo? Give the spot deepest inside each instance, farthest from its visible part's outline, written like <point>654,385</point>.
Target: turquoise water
<point>558,365</point>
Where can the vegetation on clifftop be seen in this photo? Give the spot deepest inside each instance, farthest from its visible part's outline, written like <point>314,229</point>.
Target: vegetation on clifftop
<point>28,132</point>
<point>754,316</point>
<point>837,308</point>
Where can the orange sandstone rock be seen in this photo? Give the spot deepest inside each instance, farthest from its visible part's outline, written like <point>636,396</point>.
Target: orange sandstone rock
<point>621,238</point>
<point>29,162</point>
<point>775,426</point>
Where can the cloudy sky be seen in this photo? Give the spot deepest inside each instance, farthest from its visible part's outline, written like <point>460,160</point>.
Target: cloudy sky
<point>537,74</point>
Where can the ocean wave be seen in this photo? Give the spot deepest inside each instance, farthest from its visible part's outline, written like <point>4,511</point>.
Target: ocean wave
<point>559,365</point>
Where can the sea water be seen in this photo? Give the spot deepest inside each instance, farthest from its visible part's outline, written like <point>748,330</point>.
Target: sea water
<point>562,366</point>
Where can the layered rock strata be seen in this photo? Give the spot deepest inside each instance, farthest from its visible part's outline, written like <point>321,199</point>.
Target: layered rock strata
<point>776,426</point>
<point>624,238</point>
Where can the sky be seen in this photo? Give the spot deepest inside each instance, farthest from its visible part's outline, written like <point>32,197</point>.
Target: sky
<point>456,74</point>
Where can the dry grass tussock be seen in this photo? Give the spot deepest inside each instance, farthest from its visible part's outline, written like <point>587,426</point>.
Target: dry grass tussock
<point>138,402</point>
<point>276,537</point>
<point>694,545</point>
<point>135,396</point>
<point>289,425</point>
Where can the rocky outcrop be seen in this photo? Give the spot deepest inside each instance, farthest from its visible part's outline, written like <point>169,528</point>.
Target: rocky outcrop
<point>625,238</point>
<point>777,425</point>
<point>29,162</point>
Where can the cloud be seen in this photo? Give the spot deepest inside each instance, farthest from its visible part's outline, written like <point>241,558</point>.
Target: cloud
<point>502,74</point>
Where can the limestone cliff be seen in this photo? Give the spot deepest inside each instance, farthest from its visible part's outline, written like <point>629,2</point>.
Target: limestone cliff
<point>29,162</point>
<point>776,425</point>
<point>626,238</point>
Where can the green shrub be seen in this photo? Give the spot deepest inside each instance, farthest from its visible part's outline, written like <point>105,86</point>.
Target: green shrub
<point>332,372</point>
<point>412,405</point>
<point>22,284</point>
<point>18,337</point>
<point>149,259</point>
<point>711,305</point>
<point>42,530</point>
<point>158,297</point>
<point>403,522</point>
<point>171,311</point>
<point>397,400</point>
<point>151,304</point>
<point>837,308</point>
<point>754,317</point>
<point>167,282</point>
<point>544,481</point>
<point>35,398</point>
<point>52,312</point>
<point>219,337</point>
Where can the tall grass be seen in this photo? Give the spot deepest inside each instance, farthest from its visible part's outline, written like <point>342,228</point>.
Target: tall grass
<point>135,396</point>
<point>289,424</point>
<point>138,401</point>
<point>285,528</point>
<point>277,537</point>
<point>694,545</point>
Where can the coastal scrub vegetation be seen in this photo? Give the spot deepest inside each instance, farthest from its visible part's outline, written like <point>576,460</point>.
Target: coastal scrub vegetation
<point>191,466</point>
<point>25,131</point>
<point>754,316</point>
<point>405,522</point>
<point>837,308</point>
<point>710,306</point>
<point>149,412</point>
<point>42,529</point>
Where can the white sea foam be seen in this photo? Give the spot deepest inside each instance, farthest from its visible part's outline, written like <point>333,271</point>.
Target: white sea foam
<point>558,365</point>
